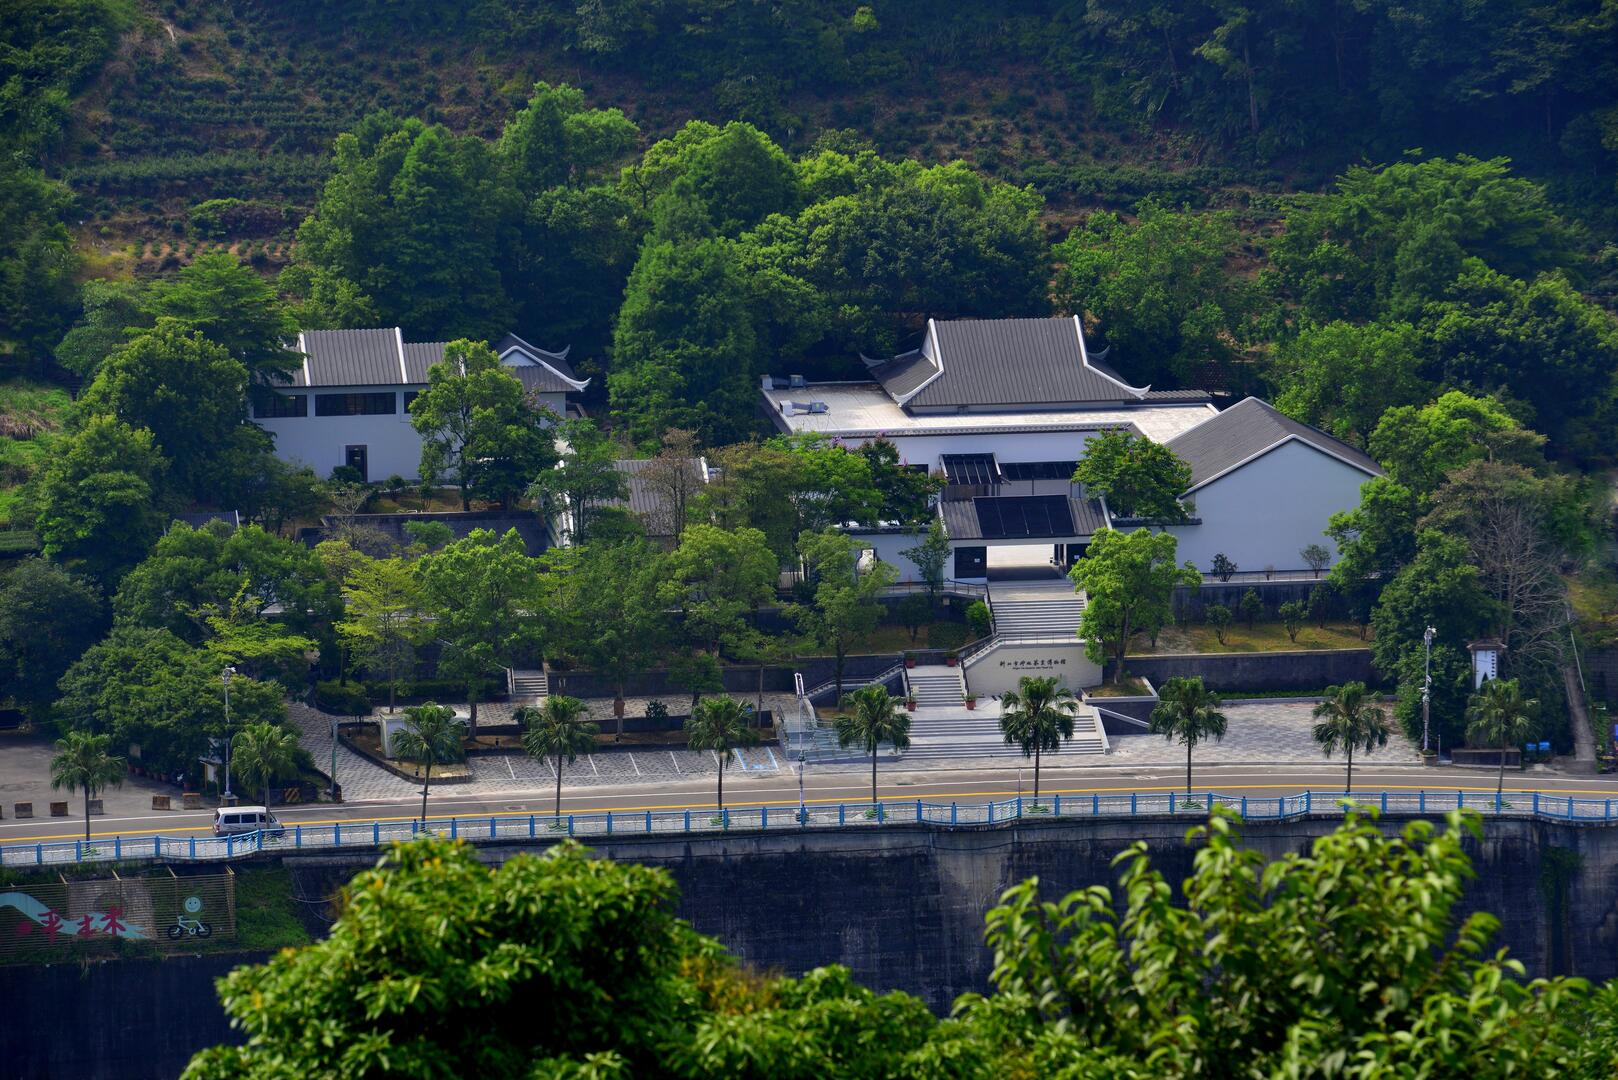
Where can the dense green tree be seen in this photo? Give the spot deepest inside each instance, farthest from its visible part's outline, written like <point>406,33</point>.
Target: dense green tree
<point>1343,376</point>
<point>906,492</point>
<point>846,605</point>
<point>432,735</point>
<point>230,305</point>
<point>1389,239</point>
<point>1128,580</point>
<point>604,610</point>
<point>84,761</point>
<point>568,269</point>
<point>1036,717</point>
<point>1539,342</point>
<point>685,347</point>
<point>1350,717</point>
<point>582,483</point>
<point>193,573</point>
<point>110,309</point>
<point>1158,293</point>
<point>556,140</point>
<point>1418,446</point>
<point>478,425</point>
<point>38,260</point>
<point>1188,711</point>
<point>1439,587</point>
<point>95,500</point>
<point>48,618</point>
<point>560,730</point>
<point>1139,478</point>
<point>190,393</point>
<point>149,688</point>
<point>408,231</point>
<point>481,595</point>
<point>383,618</point>
<point>869,717</point>
<point>715,577</point>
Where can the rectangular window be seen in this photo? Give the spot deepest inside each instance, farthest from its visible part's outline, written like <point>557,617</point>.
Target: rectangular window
<point>279,406</point>
<point>409,396</point>
<point>356,404</point>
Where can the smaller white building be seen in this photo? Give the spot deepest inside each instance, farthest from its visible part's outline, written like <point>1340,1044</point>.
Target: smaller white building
<point>349,402</point>
<point>1263,488</point>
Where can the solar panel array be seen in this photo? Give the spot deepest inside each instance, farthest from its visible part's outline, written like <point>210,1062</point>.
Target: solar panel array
<point>971,469</point>
<point>1024,517</point>
<point>1038,470</point>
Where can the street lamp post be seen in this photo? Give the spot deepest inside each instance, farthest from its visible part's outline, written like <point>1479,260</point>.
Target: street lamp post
<point>1427,687</point>
<point>229,797</point>
<point>803,811</point>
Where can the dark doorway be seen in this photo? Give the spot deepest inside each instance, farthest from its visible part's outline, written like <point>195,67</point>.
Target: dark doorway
<point>971,562</point>
<point>356,457</point>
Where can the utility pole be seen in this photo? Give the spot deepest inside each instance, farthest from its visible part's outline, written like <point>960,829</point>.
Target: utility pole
<point>803,812</point>
<point>1427,687</point>
<point>228,797</point>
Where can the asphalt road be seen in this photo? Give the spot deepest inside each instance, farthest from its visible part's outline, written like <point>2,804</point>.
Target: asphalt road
<point>847,785</point>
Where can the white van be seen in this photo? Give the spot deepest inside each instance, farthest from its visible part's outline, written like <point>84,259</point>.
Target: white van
<point>232,820</point>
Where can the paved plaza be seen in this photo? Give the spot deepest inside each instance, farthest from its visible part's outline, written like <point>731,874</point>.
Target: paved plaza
<point>1263,733</point>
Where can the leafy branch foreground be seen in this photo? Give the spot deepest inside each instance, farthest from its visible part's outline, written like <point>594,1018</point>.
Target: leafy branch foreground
<point>1342,962</point>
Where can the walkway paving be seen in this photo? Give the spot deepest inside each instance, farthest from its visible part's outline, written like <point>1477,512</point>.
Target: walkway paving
<point>1278,732</point>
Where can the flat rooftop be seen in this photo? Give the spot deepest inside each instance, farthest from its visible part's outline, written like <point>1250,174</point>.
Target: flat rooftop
<point>864,410</point>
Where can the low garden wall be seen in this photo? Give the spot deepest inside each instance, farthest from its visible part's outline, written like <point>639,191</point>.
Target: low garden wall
<point>738,680</point>
<point>1309,670</point>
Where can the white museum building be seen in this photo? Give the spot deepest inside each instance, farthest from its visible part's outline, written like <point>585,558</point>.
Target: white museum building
<point>348,403</point>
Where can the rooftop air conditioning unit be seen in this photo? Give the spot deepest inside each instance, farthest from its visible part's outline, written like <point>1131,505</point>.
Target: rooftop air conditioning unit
<point>797,382</point>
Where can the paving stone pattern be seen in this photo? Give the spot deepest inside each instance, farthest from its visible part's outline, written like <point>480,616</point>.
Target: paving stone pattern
<point>1277,733</point>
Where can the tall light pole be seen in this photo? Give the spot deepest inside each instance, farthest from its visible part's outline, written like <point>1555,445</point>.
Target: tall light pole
<point>229,797</point>
<point>1427,686</point>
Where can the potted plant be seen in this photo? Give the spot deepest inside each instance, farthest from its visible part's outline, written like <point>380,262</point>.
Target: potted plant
<point>910,660</point>
<point>910,702</point>
<point>951,657</point>
<point>971,701</point>
<point>1429,757</point>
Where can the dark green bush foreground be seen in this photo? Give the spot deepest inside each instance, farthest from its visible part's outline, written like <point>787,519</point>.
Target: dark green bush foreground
<point>1344,962</point>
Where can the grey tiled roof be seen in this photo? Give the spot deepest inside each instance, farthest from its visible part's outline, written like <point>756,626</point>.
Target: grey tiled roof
<point>419,356</point>
<point>963,519</point>
<point>557,360</point>
<point>646,498</point>
<point>990,362</point>
<point>904,374</point>
<point>539,380</point>
<point>1247,428</point>
<point>350,358</point>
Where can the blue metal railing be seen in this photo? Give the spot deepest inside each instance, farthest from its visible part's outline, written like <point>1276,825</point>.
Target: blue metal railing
<point>888,812</point>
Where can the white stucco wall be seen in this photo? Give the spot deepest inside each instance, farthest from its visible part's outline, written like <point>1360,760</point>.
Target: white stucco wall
<point>1002,667</point>
<point>392,445</point>
<point>1007,446</point>
<point>1264,513</point>
<point>888,545</point>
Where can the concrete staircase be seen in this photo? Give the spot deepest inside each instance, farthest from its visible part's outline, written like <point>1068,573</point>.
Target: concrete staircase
<point>965,735</point>
<point>1027,610</point>
<point>937,686</point>
<point>529,687</point>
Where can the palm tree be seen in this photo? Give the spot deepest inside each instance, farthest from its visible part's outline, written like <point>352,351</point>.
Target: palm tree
<point>432,735</point>
<point>82,761</point>
<point>1188,711</point>
<point>1350,717</point>
<point>558,730</point>
<point>717,724</point>
<point>1499,715</point>
<point>1037,716</point>
<point>871,716</point>
<point>264,752</point>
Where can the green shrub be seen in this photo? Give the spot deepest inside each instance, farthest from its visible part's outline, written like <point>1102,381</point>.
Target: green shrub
<point>349,699</point>
<point>947,636</point>
<point>978,619</point>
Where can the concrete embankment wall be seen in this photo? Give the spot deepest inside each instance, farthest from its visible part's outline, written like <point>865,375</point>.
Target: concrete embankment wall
<point>902,907</point>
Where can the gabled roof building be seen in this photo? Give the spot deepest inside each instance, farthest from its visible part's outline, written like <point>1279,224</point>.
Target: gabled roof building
<point>1003,409</point>
<point>348,403</point>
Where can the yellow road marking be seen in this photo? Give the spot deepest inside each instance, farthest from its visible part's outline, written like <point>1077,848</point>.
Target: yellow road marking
<point>932,798</point>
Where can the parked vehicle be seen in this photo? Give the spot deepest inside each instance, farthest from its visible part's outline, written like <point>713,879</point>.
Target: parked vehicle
<point>235,820</point>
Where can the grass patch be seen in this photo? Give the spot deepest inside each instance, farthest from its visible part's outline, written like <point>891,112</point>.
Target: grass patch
<point>1594,596</point>
<point>1263,637</point>
<point>32,416</point>
<point>266,912</point>
<point>1128,688</point>
<point>896,639</point>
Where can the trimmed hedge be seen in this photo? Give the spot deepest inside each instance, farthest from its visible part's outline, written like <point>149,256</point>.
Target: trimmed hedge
<point>348,700</point>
